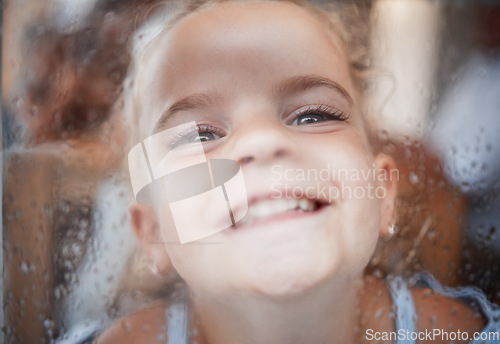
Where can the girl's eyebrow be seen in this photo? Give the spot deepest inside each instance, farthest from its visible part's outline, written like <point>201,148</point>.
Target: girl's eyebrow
<point>302,83</point>
<point>193,101</point>
<point>290,86</point>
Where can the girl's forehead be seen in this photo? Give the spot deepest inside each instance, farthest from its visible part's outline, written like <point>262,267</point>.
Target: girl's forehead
<point>235,21</point>
<point>246,10</point>
<point>230,38</point>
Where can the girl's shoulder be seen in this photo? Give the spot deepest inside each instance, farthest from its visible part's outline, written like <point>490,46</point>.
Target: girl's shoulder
<point>164,321</point>
<point>421,304</point>
<point>147,325</point>
<point>461,308</point>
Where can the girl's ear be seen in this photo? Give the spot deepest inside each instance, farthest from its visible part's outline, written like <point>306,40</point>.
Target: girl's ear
<point>388,177</point>
<point>147,229</point>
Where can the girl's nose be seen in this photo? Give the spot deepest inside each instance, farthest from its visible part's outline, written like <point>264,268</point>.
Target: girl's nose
<point>262,142</point>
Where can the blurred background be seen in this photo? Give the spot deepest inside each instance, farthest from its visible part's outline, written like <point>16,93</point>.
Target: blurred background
<point>70,261</point>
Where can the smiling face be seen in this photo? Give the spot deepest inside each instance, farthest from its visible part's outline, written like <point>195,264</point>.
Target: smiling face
<point>270,88</point>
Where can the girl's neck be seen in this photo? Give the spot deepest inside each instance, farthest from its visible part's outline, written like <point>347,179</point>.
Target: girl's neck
<point>327,314</point>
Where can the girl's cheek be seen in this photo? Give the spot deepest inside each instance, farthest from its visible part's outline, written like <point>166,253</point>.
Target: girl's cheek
<point>167,225</point>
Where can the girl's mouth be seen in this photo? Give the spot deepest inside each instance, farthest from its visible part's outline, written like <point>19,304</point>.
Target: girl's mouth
<point>269,210</point>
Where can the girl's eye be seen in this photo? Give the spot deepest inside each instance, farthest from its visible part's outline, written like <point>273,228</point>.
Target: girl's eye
<point>199,133</point>
<point>309,119</point>
<point>204,136</point>
<point>318,114</point>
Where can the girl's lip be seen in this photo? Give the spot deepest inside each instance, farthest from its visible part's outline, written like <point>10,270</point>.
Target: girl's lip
<point>285,216</point>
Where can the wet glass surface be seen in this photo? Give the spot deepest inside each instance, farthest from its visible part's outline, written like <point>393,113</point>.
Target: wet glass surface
<point>71,261</point>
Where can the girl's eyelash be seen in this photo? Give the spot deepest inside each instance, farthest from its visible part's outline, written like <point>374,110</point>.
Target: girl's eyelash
<point>174,142</point>
<point>323,110</point>
<point>316,109</point>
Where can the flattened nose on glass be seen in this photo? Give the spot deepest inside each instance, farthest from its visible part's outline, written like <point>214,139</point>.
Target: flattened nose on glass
<point>261,143</point>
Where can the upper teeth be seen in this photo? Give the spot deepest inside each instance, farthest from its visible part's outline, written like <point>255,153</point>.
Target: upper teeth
<point>267,208</point>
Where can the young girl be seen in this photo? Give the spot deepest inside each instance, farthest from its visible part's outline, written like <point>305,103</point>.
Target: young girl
<point>277,86</point>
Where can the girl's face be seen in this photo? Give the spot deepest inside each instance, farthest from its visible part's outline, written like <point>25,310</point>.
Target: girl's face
<point>270,88</point>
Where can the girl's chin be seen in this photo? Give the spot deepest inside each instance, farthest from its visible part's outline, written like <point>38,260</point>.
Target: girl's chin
<point>286,277</point>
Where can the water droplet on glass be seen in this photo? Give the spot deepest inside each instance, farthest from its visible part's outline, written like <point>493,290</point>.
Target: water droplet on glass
<point>126,326</point>
<point>24,268</point>
<point>77,249</point>
<point>431,233</point>
<point>377,273</point>
<point>33,111</point>
<point>453,150</point>
<point>46,210</point>
<point>383,134</point>
<point>84,223</point>
<point>82,234</point>
<point>465,187</point>
<point>48,324</point>
<point>413,178</point>
<point>491,234</point>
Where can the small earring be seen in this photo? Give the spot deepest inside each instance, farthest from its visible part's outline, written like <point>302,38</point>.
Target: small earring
<point>391,229</point>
